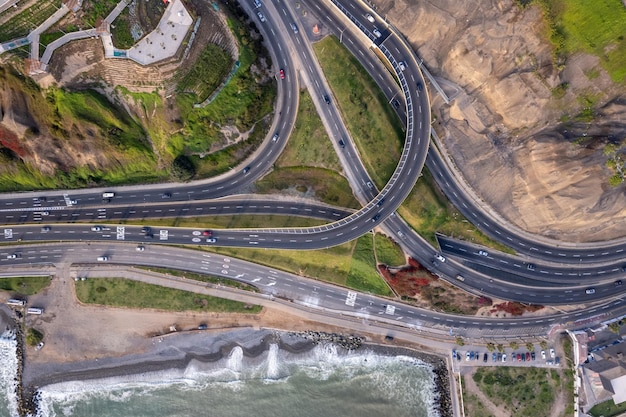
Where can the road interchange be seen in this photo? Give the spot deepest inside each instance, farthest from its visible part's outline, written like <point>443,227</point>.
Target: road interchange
<point>347,228</point>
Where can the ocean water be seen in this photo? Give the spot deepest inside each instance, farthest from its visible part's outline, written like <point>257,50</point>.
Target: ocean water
<point>8,374</point>
<point>319,383</point>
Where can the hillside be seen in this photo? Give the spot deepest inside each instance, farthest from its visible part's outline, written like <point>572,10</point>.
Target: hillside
<point>536,110</point>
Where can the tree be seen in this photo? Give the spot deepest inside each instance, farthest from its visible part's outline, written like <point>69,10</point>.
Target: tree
<point>513,345</point>
<point>33,337</point>
<point>459,341</point>
<point>183,168</point>
<point>614,327</point>
<point>543,344</point>
<point>491,347</point>
<point>500,348</point>
<point>530,347</point>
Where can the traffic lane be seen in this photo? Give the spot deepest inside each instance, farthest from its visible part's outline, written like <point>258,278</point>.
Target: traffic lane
<point>510,236</point>
<point>263,277</point>
<point>550,274</point>
<point>173,209</point>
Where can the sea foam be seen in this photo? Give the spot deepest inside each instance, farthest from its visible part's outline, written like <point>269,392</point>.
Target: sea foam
<point>8,372</point>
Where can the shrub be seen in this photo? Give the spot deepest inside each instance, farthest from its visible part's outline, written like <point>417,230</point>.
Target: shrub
<point>33,337</point>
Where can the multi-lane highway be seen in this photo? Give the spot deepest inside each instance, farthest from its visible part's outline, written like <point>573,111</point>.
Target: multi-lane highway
<point>362,31</point>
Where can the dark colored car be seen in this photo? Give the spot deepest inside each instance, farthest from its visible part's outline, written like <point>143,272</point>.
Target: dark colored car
<point>149,235</point>
<point>419,86</point>
<point>145,229</point>
<point>494,356</point>
<point>166,195</point>
<point>342,144</point>
<point>246,169</point>
<point>530,267</point>
<point>396,104</point>
<point>376,217</point>
<point>202,327</point>
<point>485,357</point>
<point>45,229</point>
<point>618,282</point>
<point>532,355</point>
<point>326,99</point>
<point>380,202</point>
<point>527,357</point>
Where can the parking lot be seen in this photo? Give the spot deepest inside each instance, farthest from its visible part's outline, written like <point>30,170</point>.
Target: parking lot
<point>507,357</point>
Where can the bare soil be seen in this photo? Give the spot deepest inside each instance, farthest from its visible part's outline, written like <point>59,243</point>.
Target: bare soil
<point>506,124</point>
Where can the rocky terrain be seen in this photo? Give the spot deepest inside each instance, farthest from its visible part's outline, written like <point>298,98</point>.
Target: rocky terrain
<point>507,124</point>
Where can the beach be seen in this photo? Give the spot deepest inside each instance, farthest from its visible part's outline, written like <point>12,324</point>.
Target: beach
<point>173,355</point>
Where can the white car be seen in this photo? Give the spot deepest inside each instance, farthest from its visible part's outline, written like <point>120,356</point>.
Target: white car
<point>483,253</point>
<point>370,18</point>
<point>504,357</point>
<point>552,354</point>
<point>440,257</point>
<point>543,354</point>
<point>96,228</point>
<point>211,240</point>
<point>377,33</point>
<point>402,65</point>
<point>12,256</point>
<point>261,17</point>
<point>140,248</point>
<point>275,137</point>
<point>39,346</point>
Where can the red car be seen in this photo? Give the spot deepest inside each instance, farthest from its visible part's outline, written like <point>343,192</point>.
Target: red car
<point>519,357</point>
<point>207,233</point>
<point>282,74</point>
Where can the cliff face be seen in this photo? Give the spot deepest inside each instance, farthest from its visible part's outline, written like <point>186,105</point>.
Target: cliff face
<point>507,123</point>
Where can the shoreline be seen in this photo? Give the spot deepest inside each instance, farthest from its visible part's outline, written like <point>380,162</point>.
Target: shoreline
<point>177,351</point>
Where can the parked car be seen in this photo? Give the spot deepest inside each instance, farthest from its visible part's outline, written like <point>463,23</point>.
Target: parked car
<point>504,357</point>
<point>527,356</point>
<point>552,354</point>
<point>543,354</point>
<point>532,355</point>
<point>485,357</point>
<point>467,356</point>
<point>494,357</point>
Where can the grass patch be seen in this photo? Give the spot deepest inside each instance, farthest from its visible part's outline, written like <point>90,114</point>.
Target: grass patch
<point>127,293</point>
<point>363,275</point>
<point>24,285</point>
<point>474,407</point>
<point>607,409</point>
<point>244,103</point>
<point>207,73</point>
<point>388,252</point>
<point>21,24</point>
<point>525,392</point>
<point>350,264</point>
<point>120,31</point>
<point>309,164</point>
<point>33,336</point>
<point>203,278</point>
<point>374,126</point>
<point>308,144</point>
<point>595,27</point>
<point>327,186</point>
<point>428,211</point>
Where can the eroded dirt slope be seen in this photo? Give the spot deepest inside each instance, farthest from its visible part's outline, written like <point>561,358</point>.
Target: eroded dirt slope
<point>507,124</point>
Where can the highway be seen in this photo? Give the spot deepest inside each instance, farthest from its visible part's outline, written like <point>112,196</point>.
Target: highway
<point>303,291</point>
<point>497,275</point>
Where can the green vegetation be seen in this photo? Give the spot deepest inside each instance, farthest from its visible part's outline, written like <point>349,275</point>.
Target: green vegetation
<point>244,103</point>
<point>388,252</point>
<point>308,163</point>
<point>376,129</point>
<point>21,24</point>
<point>560,90</point>
<point>120,31</point>
<point>127,293</point>
<point>328,186</point>
<point>98,9</point>
<point>595,27</point>
<point>47,38</point>
<point>309,144</point>
<point>24,285</point>
<point>474,407</point>
<point>428,211</point>
<point>350,264</point>
<point>225,282</point>
<point>33,336</point>
<point>207,73</point>
<point>607,409</point>
<point>615,162</point>
<point>525,392</point>
<point>363,275</point>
